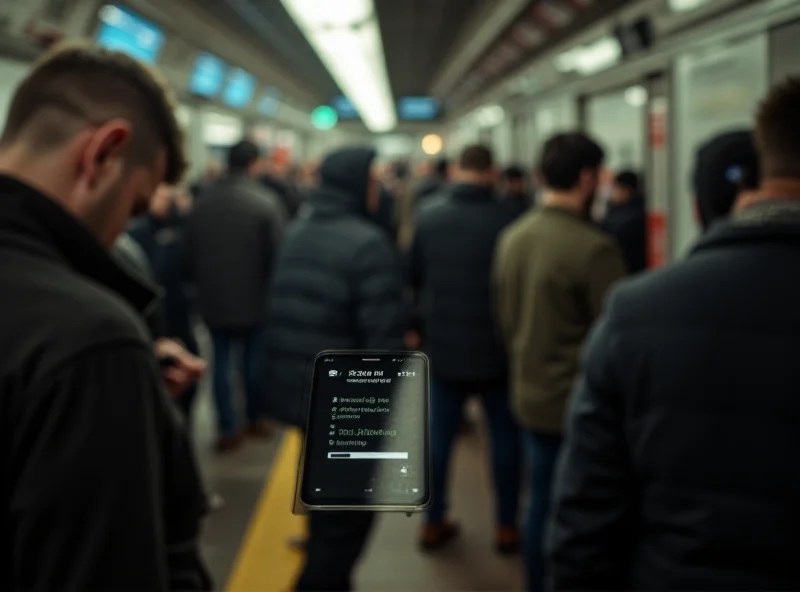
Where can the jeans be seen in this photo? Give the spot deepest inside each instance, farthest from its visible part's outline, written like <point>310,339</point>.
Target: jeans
<point>447,403</point>
<point>335,543</point>
<point>251,346</point>
<point>542,452</point>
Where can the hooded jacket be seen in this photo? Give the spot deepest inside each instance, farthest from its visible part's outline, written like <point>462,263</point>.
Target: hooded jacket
<point>337,284</point>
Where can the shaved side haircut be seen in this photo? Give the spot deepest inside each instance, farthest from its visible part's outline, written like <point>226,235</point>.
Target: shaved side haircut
<point>76,86</point>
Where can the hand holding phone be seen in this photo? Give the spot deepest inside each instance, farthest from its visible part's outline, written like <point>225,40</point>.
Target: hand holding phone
<point>367,442</point>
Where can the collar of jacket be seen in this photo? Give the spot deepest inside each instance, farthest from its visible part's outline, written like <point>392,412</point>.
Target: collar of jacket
<point>471,193</point>
<point>773,221</point>
<point>31,221</point>
<point>331,201</point>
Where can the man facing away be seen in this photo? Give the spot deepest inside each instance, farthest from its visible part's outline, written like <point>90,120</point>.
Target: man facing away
<point>231,241</point>
<point>678,471</point>
<point>514,196</point>
<point>626,220</point>
<point>450,269</point>
<point>100,488</point>
<point>338,284</point>
<point>552,270</point>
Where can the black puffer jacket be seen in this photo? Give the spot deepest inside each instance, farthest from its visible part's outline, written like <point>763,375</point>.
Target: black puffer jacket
<point>337,284</point>
<point>450,268</point>
<point>679,471</point>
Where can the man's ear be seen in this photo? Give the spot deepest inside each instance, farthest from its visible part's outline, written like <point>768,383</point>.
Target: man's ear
<point>106,148</point>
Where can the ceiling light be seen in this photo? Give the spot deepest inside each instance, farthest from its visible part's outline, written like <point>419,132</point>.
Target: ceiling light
<point>685,5</point>
<point>346,37</point>
<point>636,96</point>
<point>432,144</point>
<point>591,58</point>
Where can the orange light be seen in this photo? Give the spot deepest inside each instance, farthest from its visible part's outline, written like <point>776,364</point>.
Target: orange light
<point>432,144</point>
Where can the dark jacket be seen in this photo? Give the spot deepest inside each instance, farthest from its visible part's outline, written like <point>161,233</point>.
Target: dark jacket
<point>679,468</point>
<point>230,242</point>
<point>450,269</point>
<point>132,258</point>
<point>517,204</point>
<point>628,224</point>
<point>337,285</point>
<point>161,240</point>
<point>100,488</point>
<point>289,196</point>
<point>427,188</point>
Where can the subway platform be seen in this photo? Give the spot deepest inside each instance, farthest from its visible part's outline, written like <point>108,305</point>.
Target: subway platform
<point>246,540</point>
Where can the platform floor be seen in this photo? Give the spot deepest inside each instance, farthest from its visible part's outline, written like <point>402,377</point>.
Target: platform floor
<point>245,541</point>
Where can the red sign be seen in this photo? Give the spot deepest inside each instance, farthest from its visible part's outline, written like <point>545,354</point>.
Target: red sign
<point>656,239</point>
<point>658,129</point>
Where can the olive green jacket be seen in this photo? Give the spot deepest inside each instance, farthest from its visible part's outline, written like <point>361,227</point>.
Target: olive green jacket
<point>551,273</point>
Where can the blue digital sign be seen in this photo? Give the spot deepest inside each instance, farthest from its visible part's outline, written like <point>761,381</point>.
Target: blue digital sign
<point>123,31</point>
<point>345,108</point>
<point>208,76</point>
<point>418,108</point>
<point>270,101</point>
<point>240,89</point>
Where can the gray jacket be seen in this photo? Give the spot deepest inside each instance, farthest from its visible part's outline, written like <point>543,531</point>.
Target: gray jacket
<point>230,242</point>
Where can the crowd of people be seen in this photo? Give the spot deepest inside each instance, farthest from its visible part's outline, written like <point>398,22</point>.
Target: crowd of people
<point>646,415</point>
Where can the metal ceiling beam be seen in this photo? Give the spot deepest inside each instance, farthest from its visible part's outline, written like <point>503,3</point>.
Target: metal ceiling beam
<point>490,20</point>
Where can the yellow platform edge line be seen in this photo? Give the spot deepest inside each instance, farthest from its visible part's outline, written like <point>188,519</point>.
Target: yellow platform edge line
<point>266,562</point>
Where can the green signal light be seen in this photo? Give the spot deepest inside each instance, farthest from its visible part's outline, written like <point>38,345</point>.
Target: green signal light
<point>324,118</point>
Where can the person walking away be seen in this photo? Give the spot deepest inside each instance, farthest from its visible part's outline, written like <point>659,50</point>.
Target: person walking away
<point>450,269</point>
<point>551,273</point>
<point>432,183</point>
<point>159,233</point>
<point>726,176</point>
<point>231,240</point>
<point>514,195</point>
<point>659,489</point>
<point>338,284</point>
<point>626,220</point>
<point>101,489</point>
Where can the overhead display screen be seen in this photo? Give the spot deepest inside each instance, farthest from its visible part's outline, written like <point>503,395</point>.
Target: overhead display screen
<point>269,103</point>
<point>208,76</point>
<point>345,108</point>
<point>418,108</point>
<point>123,31</point>
<point>240,89</point>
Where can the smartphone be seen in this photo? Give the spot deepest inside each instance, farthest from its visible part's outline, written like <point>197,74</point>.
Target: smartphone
<point>367,440</point>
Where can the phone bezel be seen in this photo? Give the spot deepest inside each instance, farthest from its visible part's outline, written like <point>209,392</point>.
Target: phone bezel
<point>370,507</point>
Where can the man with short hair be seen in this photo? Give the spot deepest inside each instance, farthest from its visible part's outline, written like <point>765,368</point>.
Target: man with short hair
<point>101,490</point>
<point>450,269</point>
<point>551,274</point>
<point>514,195</point>
<point>626,220</point>
<point>677,469</point>
<point>231,241</point>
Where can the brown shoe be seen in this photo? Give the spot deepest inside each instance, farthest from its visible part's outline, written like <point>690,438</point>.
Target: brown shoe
<point>261,429</point>
<point>507,541</point>
<point>435,536</point>
<point>227,444</point>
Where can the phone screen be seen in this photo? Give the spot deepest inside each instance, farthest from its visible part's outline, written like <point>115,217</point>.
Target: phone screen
<point>367,436</point>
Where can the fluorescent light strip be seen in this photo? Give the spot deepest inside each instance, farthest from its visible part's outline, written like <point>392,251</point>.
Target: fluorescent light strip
<point>347,39</point>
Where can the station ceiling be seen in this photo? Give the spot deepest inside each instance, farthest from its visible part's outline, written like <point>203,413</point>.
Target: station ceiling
<point>417,35</point>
